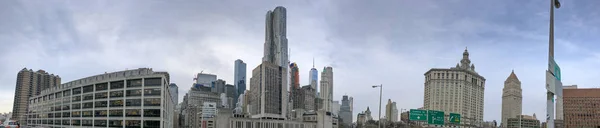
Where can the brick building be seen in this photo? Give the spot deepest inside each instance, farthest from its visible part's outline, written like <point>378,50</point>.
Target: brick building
<point>581,107</point>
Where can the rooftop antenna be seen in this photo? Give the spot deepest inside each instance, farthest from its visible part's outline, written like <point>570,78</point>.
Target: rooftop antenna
<point>313,62</point>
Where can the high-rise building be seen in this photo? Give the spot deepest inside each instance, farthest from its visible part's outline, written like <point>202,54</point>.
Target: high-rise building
<point>351,102</point>
<point>335,107</point>
<point>345,111</point>
<point>130,98</point>
<point>30,84</point>
<point>327,88</point>
<point>174,90</point>
<point>304,98</point>
<point>512,98</point>
<point>314,77</point>
<point>218,86</point>
<point>239,77</point>
<point>581,107</point>
<point>270,79</point>
<point>294,76</point>
<point>204,79</point>
<point>458,89</point>
<point>391,111</point>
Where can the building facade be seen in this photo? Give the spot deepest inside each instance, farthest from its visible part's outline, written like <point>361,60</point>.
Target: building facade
<point>269,97</point>
<point>345,111</point>
<point>327,88</point>
<point>458,89</point>
<point>131,98</point>
<point>581,107</point>
<point>30,84</point>
<point>391,111</point>
<point>512,98</point>
<point>524,121</point>
<point>239,77</point>
<point>205,79</point>
<point>314,77</point>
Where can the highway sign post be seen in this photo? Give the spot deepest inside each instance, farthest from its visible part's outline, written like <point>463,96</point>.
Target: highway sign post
<point>454,118</point>
<point>435,117</point>
<point>417,115</point>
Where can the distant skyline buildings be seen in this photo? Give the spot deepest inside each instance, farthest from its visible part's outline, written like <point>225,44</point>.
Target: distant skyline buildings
<point>314,78</point>
<point>205,79</point>
<point>30,84</point>
<point>391,111</point>
<point>327,88</point>
<point>174,90</point>
<point>512,99</point>
<point>239,77</point>
<point>346,111</point>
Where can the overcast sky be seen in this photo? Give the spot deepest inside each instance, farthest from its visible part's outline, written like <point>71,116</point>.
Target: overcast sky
<point>389,42</point>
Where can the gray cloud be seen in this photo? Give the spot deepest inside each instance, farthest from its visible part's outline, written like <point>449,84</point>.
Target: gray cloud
<point>377,42</point>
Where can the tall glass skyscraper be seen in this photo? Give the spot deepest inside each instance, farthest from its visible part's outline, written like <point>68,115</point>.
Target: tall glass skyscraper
<point>239,77</point>
<point>313,78</point>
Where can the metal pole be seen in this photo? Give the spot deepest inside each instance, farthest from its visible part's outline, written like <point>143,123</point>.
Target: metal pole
<point>380,90</point>
<point>550,95</point>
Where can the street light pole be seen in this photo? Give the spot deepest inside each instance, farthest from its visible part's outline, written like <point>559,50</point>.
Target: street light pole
<point>380,90</point>
<point>552,87</point>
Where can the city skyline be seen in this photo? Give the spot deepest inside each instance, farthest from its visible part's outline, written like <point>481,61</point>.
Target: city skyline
<point>83,39</point>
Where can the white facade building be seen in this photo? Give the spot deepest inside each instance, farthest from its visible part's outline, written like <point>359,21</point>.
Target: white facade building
<point>327,88</point>
<point>458,89</point>
<point>131,98</point>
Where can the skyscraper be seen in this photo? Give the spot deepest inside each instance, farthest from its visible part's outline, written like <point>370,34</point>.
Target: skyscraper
<point>458,89</point>
<point>239,77</point>
<point>294,76</point>
<point>270,79</point>
<point>174,90</point>
<point>345,111</point>
<point>313,77</point>
<point>327,88</point>
<point>30,84</point>
<point>512,98</point>
<point>391,111</point>
<point>205,79</point>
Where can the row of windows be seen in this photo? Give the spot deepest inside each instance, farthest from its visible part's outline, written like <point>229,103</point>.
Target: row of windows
<point>115,94</point>
<point>112,103</point>
<point>102,113</point>
<point>101,87</point>
<point>100,123</point>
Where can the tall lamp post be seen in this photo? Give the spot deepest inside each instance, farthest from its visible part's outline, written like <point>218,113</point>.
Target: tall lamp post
<point>553,84</point>
<point>380,90</point>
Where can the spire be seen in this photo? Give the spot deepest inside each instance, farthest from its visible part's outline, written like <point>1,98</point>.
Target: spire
<point>313,62</point>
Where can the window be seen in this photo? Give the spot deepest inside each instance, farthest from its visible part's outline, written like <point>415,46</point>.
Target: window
<point>151,124</point>
<point>116,84</point>
<point>116,103</point>
<point>58,95</point>
<point>88,105</point>
<point>76,114</point>
<point>101,95</point>
<point>116,113</point>
<point>100,113</point>
<point>65,107</point>
<point>133,102</point>
<point>101,87</point>
<point>133,123</point>
<point>88,97</point>
<point>86,122</point>
<point>133,113</point>
<point>57,115</point>
<point>66,114</point>
<point>152,102</point>
<point>76,122</point>
<point>76,106</point>
<point>152,92</point>
<point>115,123</point>
<point>67,93</point>
<point>151,112</point>
<point>152,81</point>
<point>115,94</point>
<point>101,104</point>
<point>136,92</point>
<point>76,98</point>
<point>89,88</point>
<point>134,83</point>
<point>100,123</point>
<point>86,114</point>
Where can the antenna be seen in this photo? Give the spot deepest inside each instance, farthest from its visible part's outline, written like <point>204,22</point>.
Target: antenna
<point>313,62</point>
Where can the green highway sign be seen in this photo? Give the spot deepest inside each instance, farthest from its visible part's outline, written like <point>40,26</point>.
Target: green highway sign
<point>417,115</point>
<point>454,118</point>
<point>435,117</point>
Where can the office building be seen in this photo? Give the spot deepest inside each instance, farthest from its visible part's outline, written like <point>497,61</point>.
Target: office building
<point>218,86</point>
<point>351,102</point>
<point>194,102</point>
<point>269,80</point>
<point>327,88</point>
<point>391,111</point>
<point>559,105</point>
<point>581,106</point>
<point>345,111</point>
<point>174,90</point>
<point>305,98</point>
<point>314,77</point>
<point>458,89</point>
<point>239,77</point>
<point>523,121</point>
<point>30,84</point>
<point>335,108</point>
<point>512,98</point>
<point>130,98</point>
<point>204,79</point>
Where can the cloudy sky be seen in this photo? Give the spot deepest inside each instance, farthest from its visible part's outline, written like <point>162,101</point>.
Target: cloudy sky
<point>389,42</point>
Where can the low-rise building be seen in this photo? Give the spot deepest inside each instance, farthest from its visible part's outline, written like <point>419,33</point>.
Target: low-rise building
<point>523,121</point>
